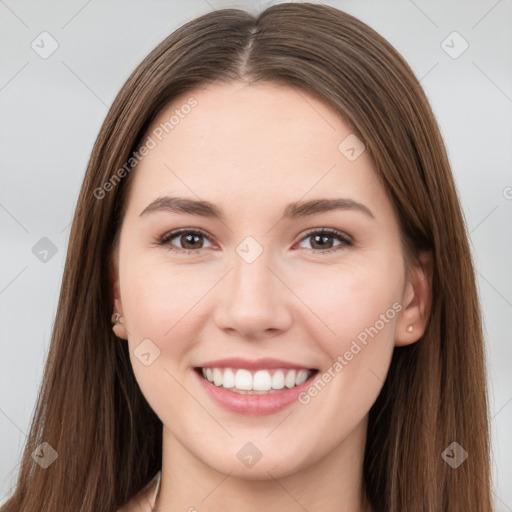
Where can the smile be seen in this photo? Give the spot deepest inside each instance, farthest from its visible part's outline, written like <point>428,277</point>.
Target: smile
<point>241,380</point>
<point>252,392</point>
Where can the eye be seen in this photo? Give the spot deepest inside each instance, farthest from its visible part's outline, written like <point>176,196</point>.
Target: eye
<point>189,238</point>
<point>321,240</point>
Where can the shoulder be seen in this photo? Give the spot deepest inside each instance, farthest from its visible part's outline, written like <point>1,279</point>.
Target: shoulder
<point>144,500</point>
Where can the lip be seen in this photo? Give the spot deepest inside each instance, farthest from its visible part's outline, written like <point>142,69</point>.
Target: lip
<point>252,364</point>
<point>253,405</point>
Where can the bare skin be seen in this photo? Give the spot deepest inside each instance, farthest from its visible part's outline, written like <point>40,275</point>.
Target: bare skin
<point>252,150</point>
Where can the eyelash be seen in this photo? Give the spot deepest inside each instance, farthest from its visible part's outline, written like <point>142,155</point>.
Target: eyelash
<point>344,239</point>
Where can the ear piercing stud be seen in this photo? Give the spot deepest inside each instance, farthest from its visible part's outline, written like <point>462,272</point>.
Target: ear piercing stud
<point>410,328</point>
<point>117,325</point>
<point>116,319</point>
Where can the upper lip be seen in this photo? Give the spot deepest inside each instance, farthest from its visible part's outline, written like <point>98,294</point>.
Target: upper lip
<point>252,364</point>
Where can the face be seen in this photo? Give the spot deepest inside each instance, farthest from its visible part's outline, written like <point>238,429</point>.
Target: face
<point>310,288</point>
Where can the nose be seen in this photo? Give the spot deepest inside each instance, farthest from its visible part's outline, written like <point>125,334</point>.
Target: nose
<point>254,300</point>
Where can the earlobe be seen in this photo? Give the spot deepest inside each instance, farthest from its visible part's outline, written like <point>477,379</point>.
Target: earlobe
<point>118,321</point>
<point>118,326</point>
<point>416,302</point>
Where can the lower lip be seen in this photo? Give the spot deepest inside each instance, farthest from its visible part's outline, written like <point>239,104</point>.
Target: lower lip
<point>251,405</point>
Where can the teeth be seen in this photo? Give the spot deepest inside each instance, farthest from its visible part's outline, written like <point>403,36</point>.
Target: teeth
<point>278,380</point>
<point>217,377</point>
<point>301,377</point>
<point>242,380</point>
<point>289,380</point>
<point>262,381</point>
<point>228,379</point>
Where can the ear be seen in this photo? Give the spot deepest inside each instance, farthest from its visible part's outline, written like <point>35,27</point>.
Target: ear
<point>416,301</point>
<point>120,328</point>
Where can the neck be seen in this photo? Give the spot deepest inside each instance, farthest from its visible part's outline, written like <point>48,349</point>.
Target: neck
<point>332,483</point>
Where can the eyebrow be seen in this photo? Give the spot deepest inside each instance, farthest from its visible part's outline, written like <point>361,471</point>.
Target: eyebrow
<point>295,210</point>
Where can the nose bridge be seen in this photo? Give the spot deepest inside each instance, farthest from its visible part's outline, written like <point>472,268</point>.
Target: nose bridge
<point>252,278</point>
<point>253,299</point>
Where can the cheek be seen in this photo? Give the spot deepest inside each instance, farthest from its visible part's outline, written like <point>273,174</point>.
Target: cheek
<point>352,303</point>
<point>158,303</point>
<point>358,308</point>
<point>358,344</point>
<point>154,294</point>
<point>161,302</point>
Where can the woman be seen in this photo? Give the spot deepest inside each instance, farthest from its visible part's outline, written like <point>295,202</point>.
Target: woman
<point>270,223</point>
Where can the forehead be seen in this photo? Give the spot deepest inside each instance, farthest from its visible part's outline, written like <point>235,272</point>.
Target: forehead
<point>252,143</point>
<point>252,121</point>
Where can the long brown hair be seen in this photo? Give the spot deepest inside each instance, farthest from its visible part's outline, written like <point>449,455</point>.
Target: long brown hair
<point>90,408</point>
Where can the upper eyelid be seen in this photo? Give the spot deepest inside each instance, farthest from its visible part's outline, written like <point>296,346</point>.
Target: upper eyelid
<point>176,232</point>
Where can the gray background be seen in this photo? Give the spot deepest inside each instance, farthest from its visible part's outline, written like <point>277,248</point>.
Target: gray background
<point>52,110</point>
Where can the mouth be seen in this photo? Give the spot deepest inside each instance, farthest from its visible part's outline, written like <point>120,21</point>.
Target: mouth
<point>263,381</point>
